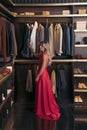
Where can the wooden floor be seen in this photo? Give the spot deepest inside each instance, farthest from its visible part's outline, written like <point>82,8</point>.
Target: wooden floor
<point>22,117</point>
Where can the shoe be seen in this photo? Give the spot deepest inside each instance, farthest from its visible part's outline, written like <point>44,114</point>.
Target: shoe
<point>80,99</point>
<point>79,71</point>
<point>76,99</point>
<point>80,56</point>
<point>83,85</point>
<point>77,56</point>
<point>75,71</point>
<point>80,85</point>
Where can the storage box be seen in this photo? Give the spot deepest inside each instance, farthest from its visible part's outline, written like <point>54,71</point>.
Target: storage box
<point>81,25</point>
<point>66,12</point>
<point>29,13</point>
<point>82,11</point>
<point>45,13</point>
<point>14,14</point>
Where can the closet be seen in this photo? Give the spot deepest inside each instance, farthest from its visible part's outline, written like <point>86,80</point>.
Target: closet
<point>49,12</point>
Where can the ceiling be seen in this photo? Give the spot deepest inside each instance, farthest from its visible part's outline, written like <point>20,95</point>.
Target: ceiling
<point>13,2</point>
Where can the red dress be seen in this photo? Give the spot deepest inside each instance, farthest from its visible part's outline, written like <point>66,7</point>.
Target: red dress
<point>45,104</point>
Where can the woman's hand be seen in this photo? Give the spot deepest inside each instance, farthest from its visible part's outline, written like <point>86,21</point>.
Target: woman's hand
<point>32,50</point>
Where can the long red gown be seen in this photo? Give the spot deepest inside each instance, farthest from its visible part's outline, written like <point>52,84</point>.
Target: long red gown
<point>45,104</point>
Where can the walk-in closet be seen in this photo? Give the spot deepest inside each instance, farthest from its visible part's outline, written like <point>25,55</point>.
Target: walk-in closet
<point>63,25</point>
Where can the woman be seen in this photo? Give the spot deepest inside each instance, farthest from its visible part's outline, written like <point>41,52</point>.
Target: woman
<point>45,104</point>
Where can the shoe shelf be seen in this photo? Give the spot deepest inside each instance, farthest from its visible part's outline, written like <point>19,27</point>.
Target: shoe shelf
<point>78,31</point>
<point>80,105</point>
<point>80,99</point>
<point>80,90</point>
<point>80,75</point>
<point>80,94</point>
<point>83,45</point>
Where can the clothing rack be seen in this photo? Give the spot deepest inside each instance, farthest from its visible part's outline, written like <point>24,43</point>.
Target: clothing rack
<point>50,22</point>
<point>42,19</point>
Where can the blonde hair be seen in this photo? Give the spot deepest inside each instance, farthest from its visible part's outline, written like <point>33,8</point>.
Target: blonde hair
<point>46,46</point>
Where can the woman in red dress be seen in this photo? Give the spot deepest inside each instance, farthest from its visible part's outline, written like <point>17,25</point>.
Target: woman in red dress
<point>45,104</point>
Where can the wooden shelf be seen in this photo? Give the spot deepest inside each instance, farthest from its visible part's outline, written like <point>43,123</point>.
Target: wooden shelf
<point>81,45</point>
<point>80,31</point>
<point>53,60</point>
<point>50,16</point>
<point>80,90</point>
<point>80,104</point>
<point>42,16</point>
<point>80,75</point>
<point>5,78</point>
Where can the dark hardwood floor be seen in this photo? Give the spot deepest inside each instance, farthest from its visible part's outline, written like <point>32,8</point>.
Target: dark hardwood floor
<point>22,117</point>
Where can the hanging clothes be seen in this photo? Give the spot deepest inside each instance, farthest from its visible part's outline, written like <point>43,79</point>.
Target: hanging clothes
<point>61,79</point>
<point>33,36</point>
<point>25,51</point>
<point>58,39</point>
<point>41,32</point>
<point>3,35</point>
<point>46,32</point>
<point>39,36</point>
<point>14,39</point>
<point>29,81</point>
<point>53,81</point>
<point>8,45</point>
<point>51,42</point>
<point>66,39</point>
<point>10,40</point>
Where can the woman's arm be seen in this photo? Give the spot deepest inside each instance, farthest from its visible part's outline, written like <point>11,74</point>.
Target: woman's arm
<point>44,65</point>
<point>33,52</point>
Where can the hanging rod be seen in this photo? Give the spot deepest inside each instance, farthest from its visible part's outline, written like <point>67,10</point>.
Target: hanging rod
<point>43,20</point>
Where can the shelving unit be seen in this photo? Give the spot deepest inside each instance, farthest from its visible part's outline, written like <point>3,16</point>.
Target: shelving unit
<point>81,46</point>
<point>6,81</point>
<point>6,94</point>
<point>80,77</point>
